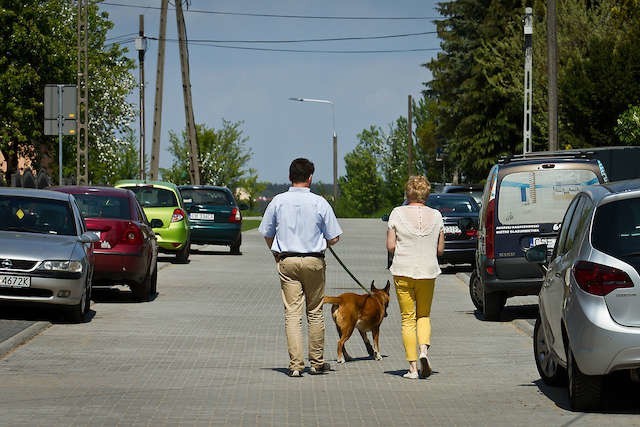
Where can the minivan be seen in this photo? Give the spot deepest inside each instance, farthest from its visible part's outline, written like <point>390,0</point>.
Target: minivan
<point>523,203</point>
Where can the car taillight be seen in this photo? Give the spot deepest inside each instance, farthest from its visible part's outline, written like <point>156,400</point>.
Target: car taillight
<point>235,215</point>
<point>598,279</point>
<point>178,215</point>
<point>490,232</point>
<point>132,235</point>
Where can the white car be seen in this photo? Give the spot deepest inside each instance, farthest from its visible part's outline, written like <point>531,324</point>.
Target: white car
<point>46,254</point>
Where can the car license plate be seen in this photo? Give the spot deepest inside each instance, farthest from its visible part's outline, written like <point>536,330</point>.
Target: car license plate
<point>7,281</point>
<point>549,241</point>
<point>196,215</point>
<point>451,229</point>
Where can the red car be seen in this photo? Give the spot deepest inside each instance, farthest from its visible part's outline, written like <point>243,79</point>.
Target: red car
<point>127,251</point>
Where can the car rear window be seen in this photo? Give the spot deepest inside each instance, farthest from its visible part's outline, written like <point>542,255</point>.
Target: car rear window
<point>204,196</point>
<point>154,197</point>
<point>453,204</point>
<point>96,206</point>
<point>616,228</point>
<point>540,196</point>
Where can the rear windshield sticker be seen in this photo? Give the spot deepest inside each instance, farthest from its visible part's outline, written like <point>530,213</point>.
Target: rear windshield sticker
<point>518,229</point>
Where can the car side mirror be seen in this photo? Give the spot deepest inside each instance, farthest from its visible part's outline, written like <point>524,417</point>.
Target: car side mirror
<point>385,217</point>
<point>156,223</point>
<point>243,206</point>
<point>89,237</point>
<point>537,254</point>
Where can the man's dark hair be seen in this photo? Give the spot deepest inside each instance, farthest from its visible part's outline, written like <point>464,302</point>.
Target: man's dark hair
<point>300,170</point>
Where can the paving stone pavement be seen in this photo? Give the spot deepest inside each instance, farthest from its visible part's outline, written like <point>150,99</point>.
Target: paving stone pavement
<point>210,350</point>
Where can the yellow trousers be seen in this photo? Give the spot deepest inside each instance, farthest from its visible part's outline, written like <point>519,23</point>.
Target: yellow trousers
<point>414,297</point>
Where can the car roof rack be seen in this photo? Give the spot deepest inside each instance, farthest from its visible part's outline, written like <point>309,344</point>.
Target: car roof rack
<point>564,154</point>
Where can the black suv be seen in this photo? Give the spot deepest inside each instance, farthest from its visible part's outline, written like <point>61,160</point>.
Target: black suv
<point>523,203</point>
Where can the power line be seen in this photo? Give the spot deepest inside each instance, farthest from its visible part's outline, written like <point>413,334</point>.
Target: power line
<point>271,15</point>
<point>316,40</point>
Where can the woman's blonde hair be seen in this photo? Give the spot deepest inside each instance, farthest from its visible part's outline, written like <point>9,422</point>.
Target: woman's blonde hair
<point>417,188</point>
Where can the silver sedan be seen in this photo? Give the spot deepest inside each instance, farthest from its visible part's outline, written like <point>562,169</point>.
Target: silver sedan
<point>46,254</point>
<point>589,305</point>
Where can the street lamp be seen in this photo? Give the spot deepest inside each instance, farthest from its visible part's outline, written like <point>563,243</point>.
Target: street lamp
<point>335,140</point>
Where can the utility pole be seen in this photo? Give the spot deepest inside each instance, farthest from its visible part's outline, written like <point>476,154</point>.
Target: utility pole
<point>552,47</point>
<point>141,47</point>
<point>410,138</point>
<point>528,88</point>
<point>194,167</point>
<point>82,140</point>
<point>157,112</point>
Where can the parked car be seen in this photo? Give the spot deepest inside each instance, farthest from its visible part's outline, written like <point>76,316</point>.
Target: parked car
<point>162,200</point>
<point>524,200</point>
<point>588,324</point>
<point>214,216</point>
<point>473,190</point>
<point>460,216</point>
<point>127,251</point>
<point>46,253</point>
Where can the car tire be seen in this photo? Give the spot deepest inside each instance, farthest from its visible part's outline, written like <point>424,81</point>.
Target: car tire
<point>492,305</point>
<point>585,391</point>
<point>145,291</point>
<point>235,247</point>
<point>548,367</point>
<point>78,313</point>
<point>475,291</point>
<point>182,256</point>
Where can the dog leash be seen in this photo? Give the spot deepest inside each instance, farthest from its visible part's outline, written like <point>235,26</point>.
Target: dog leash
<point>347,270</point>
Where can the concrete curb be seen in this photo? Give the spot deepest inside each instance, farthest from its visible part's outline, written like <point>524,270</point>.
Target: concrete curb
<point>22,337</point>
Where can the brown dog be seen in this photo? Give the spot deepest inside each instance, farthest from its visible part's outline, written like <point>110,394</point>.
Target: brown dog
<point>364,312</point>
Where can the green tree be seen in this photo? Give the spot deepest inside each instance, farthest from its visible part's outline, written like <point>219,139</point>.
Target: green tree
<point>223,155</point>
<point>251,188</point>
<point>123,163</point>
<point>38,41</point>
<point>361,187</point>
<point>628,127</point>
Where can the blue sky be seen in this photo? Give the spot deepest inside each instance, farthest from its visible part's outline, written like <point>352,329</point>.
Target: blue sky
<point>254,86</point>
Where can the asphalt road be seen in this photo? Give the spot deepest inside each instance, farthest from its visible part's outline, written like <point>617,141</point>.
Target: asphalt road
<point>210,350</point>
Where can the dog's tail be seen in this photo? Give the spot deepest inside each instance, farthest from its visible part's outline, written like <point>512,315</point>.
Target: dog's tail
<point>332,300</point>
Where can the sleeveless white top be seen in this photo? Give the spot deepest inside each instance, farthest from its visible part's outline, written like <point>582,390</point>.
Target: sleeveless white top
<point>417,231</point>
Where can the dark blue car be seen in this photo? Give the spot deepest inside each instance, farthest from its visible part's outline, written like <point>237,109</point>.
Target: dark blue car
<point>214,216</point>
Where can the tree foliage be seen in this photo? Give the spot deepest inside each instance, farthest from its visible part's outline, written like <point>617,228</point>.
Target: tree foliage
<point>223,155</point>
<point>39,44</point>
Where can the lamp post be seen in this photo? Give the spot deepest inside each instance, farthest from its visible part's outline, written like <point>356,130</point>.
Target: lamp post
<point>141,47</point>
<point>335,140</point>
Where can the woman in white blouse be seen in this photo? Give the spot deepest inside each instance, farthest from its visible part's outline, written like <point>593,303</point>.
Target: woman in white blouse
<point>415,237</point>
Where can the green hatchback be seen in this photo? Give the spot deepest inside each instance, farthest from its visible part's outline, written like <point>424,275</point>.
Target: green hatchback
<point>162,200</point>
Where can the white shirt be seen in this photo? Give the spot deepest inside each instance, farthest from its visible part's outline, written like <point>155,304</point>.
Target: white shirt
<point>417,231</point>
<point>299,221</point>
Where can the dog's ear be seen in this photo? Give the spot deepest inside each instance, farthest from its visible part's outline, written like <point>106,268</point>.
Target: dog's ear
<point>388,287</point>
<point>373,288</point>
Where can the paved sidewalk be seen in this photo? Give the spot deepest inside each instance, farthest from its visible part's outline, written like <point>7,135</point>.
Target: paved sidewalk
<point>210,351</point>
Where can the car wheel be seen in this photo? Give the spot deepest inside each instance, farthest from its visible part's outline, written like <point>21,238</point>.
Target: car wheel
<point>584,390</point>
<point>475,291</point>
<point>182,256</point>
<point>546,362</point>
<point>154,282</point>
<point>492,305</point>
<point>78,313</point>
<point>145,291</point>
<point>235,247</point>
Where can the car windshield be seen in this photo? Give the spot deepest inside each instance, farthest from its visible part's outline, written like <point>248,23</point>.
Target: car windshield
<point>203,196</point>
<point>154,197</point>
<point>540,196</point>
<point>98,206</point>
<point>36,215</point>
<point>453,204</point>
<point>616,228</point>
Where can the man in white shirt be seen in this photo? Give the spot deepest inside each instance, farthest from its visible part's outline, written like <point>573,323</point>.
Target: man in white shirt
<point>297,226</point>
